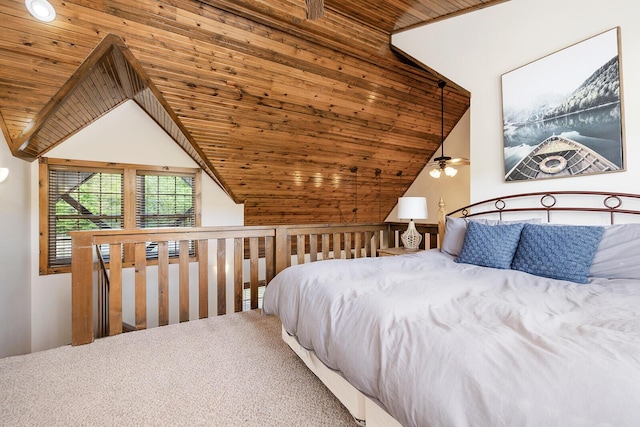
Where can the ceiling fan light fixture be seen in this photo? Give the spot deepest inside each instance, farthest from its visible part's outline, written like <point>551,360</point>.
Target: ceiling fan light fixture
<point>41,10</point>
<point>450,171</point>
<point>435,173</point>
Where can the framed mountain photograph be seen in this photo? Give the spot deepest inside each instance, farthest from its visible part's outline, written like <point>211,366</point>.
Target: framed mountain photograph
<point>562,114</point>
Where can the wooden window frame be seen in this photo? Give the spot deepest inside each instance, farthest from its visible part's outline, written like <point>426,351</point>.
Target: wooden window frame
<point>129,172</point>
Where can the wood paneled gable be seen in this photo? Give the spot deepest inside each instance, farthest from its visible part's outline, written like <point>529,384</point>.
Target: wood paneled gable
<point>300,120</point>
<point>107,78</point>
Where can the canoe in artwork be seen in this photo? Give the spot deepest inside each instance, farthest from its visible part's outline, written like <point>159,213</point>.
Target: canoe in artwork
<point>557,156</point>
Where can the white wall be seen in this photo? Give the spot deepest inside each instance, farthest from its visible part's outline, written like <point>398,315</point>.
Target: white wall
<point>125,135</point>
<point>15,256</point>
<point>475,49</point>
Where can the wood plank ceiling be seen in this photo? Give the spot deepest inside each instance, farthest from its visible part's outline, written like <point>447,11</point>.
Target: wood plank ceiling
<point>302,120</point>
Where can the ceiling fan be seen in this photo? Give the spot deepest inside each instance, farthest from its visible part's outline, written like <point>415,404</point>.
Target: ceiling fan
<point>444,164</point>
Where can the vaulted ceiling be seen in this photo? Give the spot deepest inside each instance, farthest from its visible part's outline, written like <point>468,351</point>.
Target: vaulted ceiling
<point>303,120</point>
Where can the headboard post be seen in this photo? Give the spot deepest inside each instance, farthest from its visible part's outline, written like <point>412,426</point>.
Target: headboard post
<point>442,213</point>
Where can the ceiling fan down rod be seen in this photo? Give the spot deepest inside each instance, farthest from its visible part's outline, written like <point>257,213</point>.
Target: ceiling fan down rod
<point>442,159</point>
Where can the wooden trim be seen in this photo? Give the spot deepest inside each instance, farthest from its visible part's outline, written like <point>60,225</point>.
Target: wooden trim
<point>91,165</point>
<point>58,100</point>
<point>449,15</point>
<point>43,215</point>
<point>5,130</point>
<point>198,197</point>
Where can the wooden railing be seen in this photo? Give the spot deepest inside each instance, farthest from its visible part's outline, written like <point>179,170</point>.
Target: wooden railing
<point>270,250</point>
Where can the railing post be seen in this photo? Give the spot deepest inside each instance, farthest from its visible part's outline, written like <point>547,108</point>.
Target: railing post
<point>221,277</point>
<point>281,249</point>
<point>82,265</point>
<point>384,241</point>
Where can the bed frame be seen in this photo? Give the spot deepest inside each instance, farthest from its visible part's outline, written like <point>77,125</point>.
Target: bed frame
<point>363,409</point>
<point>598,202</point>
<point>549,205</point>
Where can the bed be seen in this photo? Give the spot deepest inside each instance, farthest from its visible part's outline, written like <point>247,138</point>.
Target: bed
<point>474,334</point>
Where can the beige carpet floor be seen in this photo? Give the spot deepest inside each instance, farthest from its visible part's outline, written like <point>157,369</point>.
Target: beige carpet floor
<point>231,370</point>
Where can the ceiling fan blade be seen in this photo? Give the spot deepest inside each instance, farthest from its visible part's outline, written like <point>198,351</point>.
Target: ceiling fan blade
<point>459,161</point>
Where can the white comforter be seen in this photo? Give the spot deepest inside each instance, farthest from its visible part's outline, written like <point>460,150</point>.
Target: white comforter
<point>446,344</point>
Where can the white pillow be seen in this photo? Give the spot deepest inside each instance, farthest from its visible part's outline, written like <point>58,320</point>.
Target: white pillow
<point>618,254</point>
<point>456,228</point>
<point>454,232</point>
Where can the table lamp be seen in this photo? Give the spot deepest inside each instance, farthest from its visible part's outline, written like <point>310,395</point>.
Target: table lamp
<point>412,208</point>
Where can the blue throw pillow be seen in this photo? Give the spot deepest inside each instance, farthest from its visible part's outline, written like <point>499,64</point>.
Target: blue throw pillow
<point>490,245</point>
<point>558,252</point>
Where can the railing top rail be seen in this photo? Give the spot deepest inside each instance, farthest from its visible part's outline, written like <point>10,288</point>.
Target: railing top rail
<point>331,228</point>
<point>215,232</point>
<point>159,230</point>
<point>100,237</point>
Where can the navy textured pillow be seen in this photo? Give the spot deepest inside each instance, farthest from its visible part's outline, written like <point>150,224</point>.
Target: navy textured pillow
<point>490,245</point>
<point>558,252</point>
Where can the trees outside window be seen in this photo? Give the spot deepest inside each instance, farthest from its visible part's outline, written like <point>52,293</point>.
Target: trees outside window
<point>85,195</point>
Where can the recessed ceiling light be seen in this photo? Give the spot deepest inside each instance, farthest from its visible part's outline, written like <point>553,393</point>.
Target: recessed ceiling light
<point>41,9</point>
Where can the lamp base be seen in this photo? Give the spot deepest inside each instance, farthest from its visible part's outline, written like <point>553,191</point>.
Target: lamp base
<point>411,239</point>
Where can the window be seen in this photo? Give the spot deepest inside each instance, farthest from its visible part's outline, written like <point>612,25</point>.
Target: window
<point>81,201</point>
<point>165,201</point>
<point>92,196</point>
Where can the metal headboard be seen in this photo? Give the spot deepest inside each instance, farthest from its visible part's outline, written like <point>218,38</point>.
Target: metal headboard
<point>578,201</point>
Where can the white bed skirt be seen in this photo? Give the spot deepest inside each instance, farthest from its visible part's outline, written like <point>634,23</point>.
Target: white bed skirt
<point>364,410</point>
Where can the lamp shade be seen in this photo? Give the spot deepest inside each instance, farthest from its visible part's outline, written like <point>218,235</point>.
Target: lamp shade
<point>412,208</point>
